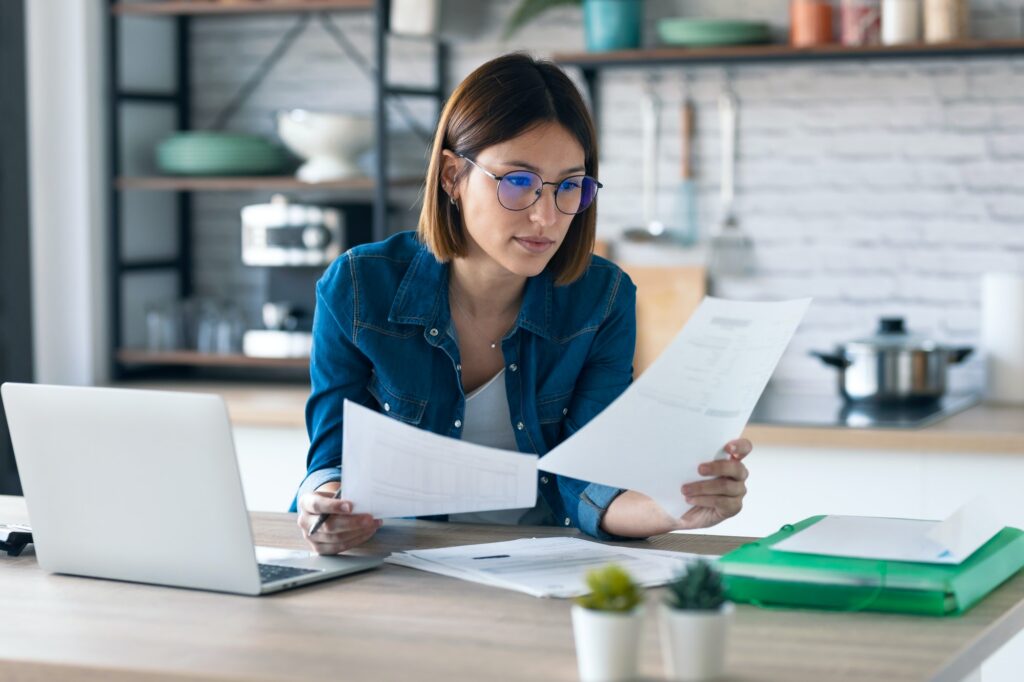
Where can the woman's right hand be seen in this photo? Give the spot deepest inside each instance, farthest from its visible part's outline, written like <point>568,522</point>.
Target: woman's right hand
<point>342,530</point>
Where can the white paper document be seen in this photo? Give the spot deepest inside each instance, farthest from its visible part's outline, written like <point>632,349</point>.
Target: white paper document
<point>544,567</point>
<point>393,469</point>
<point>936,542</point>
<point>691,401</point>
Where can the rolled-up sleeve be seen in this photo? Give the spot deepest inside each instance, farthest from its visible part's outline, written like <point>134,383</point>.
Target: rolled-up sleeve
<point>607,372</point>
<point>339,371</point>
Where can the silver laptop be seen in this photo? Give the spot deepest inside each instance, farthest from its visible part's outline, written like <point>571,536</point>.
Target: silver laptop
<point>144,486</point>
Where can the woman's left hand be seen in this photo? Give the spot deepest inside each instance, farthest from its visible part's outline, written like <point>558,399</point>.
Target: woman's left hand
<point>719,498</point>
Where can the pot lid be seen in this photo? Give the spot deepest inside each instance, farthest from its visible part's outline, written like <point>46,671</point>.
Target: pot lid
<point>892,334</point>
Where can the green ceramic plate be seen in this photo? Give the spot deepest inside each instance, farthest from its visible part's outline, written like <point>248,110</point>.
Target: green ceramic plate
<point>211,153</point>
<point>708,32</point>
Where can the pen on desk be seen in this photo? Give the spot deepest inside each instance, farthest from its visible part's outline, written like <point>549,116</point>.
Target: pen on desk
<point>493,556</point>
<point>323,517</point>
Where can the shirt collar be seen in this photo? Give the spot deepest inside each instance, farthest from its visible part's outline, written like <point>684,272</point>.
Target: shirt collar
<point>422,297</point>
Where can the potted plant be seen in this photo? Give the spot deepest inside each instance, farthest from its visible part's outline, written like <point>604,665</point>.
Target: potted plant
<point>606,625</point>
<point>608,24</point>
<point>695,619</point>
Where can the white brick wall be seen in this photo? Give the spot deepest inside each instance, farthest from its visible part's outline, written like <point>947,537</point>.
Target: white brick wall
<point>878,187</point>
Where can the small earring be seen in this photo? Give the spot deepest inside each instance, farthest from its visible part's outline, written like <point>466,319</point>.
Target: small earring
<point>451,199</point>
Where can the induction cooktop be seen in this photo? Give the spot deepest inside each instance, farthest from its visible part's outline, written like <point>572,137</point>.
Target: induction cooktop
<point>827,410</point>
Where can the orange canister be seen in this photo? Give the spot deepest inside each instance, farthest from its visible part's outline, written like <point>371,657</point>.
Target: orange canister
<point>810,22</point>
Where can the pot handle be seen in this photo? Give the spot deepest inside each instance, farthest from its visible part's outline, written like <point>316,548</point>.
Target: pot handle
<point>958,355</point>
<point>831,359</point>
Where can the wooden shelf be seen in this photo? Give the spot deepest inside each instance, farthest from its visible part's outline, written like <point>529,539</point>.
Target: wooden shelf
<point>244,183</point>
<point>211,7</point>
<point>778,53</point>
<point>195,359</point>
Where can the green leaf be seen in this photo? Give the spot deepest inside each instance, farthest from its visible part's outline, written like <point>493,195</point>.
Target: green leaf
<point>528,10</point>
<point>699,588</point>
<point>611,589</point>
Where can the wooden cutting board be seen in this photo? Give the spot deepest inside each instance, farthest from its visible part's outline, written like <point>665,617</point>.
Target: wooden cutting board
<point>666,296</point>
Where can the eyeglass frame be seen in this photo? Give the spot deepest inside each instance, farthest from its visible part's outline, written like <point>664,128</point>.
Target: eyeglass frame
<point>543,182</point>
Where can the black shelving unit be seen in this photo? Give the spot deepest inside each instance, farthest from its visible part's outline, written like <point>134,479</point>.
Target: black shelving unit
<point>127,363</point>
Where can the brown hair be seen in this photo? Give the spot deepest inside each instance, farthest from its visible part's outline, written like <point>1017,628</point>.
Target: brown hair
<point>500,100</point>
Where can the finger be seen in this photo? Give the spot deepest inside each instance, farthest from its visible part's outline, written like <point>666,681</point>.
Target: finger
<point>344,543</point>
<point>730,468</point>
<point>346,523</point>
<point>716,486</point>
<point>726,506</point>
<point>739,448</point>
<point>315,503</point>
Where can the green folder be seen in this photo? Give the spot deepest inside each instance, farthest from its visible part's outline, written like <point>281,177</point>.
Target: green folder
<point>757,574</point>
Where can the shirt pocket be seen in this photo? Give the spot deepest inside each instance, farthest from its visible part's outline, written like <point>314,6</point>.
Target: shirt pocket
<point>402,407</point>
<point>552,409</point>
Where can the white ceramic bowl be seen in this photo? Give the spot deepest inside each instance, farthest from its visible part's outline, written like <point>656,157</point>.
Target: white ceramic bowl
<point>330,143</point>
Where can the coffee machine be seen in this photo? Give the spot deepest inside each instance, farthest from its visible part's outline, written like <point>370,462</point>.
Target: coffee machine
<point>295,243</point>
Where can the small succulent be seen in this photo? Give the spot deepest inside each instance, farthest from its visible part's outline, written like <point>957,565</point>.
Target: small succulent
<point>699,588</point>
<point>611,589</point>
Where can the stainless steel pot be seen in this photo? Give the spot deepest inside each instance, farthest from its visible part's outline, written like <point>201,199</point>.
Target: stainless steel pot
<point>893,366</point>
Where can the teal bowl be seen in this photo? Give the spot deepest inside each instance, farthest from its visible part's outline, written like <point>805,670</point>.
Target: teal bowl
<point>710,32</point>
<point>214,153</point>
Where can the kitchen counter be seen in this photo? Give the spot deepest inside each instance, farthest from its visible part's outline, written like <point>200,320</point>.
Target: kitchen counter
<point>269,405</point>
<point>982,428</point>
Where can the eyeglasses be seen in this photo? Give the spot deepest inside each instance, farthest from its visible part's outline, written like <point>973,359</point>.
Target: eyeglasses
<point>519,190</point>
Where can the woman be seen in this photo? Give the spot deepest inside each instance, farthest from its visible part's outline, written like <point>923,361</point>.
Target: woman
<point>494,322</point>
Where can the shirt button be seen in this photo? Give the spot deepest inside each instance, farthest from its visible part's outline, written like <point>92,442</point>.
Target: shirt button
<point>458,368</point>
<point>513,367</point>
<point>458,423</point>
<point>567,521</point>
<point>565,410</point>
<point>433,332</point>
<point>543,479</point>
<point>520,426</point>
<point>387,407</point>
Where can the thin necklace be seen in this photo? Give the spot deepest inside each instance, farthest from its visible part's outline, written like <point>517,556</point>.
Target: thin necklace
<point>469,318</point>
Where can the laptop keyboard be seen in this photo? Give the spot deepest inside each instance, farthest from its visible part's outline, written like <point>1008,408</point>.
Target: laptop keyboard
<point>271,572</point>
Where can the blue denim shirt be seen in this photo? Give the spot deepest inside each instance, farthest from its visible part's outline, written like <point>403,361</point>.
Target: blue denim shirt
<point>381,337</point>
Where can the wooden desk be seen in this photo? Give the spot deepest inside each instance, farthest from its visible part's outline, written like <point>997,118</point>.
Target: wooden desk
<point>400,624</point>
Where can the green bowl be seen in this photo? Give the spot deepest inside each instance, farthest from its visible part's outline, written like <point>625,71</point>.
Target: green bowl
<point>709,32</point>
<point>212,153</point>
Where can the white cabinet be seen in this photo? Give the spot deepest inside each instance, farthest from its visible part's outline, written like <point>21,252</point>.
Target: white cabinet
<point>273,463</point>
<point>788,484</point>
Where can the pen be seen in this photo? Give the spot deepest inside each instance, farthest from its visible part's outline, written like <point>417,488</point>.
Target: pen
<point>323,517</point>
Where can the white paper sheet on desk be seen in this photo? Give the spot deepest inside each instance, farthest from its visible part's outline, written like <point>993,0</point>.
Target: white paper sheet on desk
<point>393,469</point>
<point>691,401</point>
<point>544,567</point>
<point>866,537</point>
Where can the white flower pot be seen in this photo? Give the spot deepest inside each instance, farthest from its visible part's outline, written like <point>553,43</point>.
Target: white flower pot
<point>606,643</point>
<point>693,643</point>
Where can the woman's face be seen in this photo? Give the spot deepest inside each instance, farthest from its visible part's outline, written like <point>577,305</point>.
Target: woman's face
<point>520,242</point>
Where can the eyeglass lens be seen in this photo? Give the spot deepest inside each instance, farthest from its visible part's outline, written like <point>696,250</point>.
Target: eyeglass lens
<point>520,189</point>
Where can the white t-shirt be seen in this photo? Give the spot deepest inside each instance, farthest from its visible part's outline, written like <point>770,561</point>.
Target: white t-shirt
<point>488,422</point>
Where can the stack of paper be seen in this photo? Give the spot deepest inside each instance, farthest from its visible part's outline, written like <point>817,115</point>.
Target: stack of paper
<point>544,567</point>
<point>864,537</point>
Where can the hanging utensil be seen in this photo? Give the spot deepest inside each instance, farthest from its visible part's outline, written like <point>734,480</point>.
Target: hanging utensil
<point>650,112</point>
<point>731,250</point>
<point>685,229</point>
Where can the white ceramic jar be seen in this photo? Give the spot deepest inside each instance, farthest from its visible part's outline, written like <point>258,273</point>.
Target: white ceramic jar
<point>945,20</point>
<point>901,21</point>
